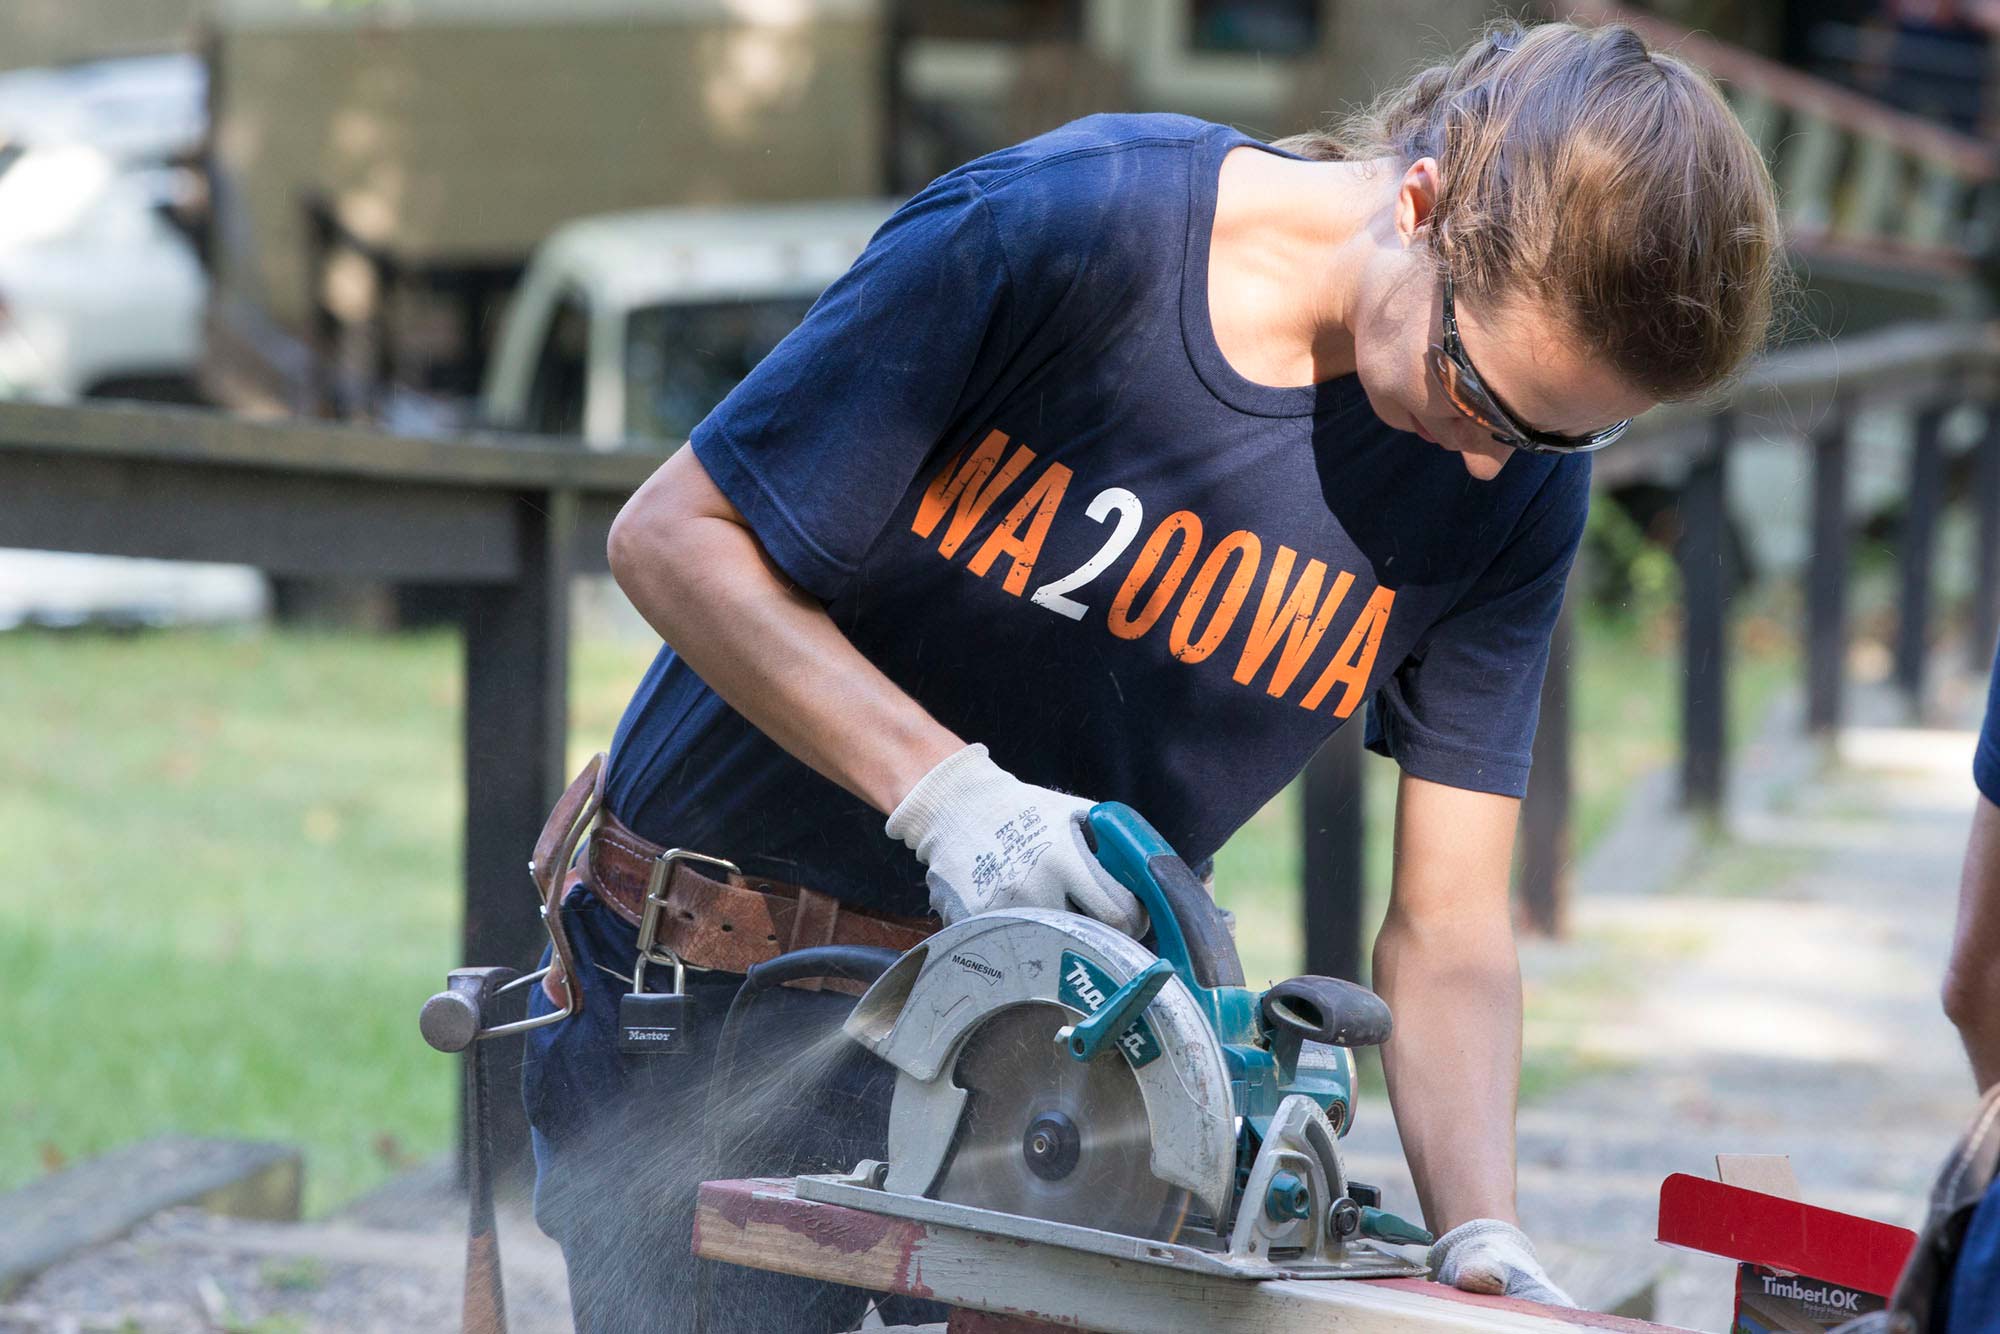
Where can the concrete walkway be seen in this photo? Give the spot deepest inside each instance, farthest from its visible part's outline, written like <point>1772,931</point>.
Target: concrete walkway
<point>1772,991</point>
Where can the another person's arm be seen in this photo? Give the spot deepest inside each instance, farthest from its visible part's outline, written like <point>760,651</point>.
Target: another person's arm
<point>1972,979</point>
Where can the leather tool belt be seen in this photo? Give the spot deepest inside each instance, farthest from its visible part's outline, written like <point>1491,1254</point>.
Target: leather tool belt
<point>705,912</point>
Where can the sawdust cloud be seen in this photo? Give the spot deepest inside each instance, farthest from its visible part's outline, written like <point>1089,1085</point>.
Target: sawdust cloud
<point>802,1097</point>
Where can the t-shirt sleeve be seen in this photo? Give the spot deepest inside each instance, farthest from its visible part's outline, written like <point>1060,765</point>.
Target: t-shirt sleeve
<point>1986,757</point>
<point>820,441</point>
<point>1461,709</point>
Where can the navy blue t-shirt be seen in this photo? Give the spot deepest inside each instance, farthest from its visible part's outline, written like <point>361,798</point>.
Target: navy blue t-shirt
<point>1986,757</point>
<point>1007,454</point>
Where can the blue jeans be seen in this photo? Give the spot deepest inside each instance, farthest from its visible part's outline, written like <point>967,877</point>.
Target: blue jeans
<point>622,1142</point>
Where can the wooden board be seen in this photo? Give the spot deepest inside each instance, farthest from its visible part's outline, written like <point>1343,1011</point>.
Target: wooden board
<point>762,1224</point>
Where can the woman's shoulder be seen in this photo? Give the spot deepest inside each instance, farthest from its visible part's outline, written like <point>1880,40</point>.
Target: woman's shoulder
<point>1096,142</point>
<point>1097,189</point>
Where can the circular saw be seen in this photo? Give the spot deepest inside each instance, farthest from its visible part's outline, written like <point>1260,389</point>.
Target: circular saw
<point>1061,1082</point>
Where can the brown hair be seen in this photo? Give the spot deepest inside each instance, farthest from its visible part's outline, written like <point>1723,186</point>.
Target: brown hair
<point>1610,181</point>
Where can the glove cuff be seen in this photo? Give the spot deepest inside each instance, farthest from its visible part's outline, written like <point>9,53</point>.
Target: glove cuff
<point>949,783</point>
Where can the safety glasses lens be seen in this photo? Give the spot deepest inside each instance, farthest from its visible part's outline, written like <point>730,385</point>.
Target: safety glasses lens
<point>1466,395</point>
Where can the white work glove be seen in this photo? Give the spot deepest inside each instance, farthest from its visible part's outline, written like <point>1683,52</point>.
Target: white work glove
<point>1487,1255</point>
<point>991,841</point>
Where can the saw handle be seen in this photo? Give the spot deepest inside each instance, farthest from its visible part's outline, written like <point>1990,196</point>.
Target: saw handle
<point>1188,929</point>
<point>1327,1009</point>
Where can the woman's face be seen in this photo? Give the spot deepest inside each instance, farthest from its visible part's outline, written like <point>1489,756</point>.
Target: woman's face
<point>1523,353</point>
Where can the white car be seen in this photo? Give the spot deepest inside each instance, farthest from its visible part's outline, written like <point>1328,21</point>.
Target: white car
<point>631,326</point>
<point>142,110</point>
<point>99,292</point>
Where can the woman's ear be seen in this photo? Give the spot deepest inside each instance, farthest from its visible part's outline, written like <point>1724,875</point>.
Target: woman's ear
<point>1416,199</point>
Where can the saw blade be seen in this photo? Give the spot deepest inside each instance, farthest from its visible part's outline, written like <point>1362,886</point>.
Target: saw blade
<point>1046,1136</point>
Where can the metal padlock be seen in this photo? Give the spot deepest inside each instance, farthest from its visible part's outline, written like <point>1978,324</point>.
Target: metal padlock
<point>660,1024</point>
<point>656,1023</point>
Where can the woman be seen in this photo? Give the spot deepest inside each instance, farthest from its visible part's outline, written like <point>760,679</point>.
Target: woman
<point>1127,463</point>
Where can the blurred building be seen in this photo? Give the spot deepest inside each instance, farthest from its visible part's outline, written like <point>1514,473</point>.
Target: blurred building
<point>388,166</point>
<point>55,32</point>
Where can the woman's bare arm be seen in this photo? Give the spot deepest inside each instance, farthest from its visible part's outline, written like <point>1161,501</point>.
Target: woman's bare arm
<point>1445,962</point>
<point>691,565</point>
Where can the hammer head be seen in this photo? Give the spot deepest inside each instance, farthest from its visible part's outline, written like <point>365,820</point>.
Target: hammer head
<point>452,1019</point>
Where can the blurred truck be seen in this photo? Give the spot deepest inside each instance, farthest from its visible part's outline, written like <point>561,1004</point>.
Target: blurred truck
<point>380,173</point>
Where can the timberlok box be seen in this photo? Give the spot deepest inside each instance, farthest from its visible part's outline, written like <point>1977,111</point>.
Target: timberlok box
<point>1769,1301</point>
<point>1801,1269</point>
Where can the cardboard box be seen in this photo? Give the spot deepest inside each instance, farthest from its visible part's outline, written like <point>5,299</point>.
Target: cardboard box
<point>1801,1269</point>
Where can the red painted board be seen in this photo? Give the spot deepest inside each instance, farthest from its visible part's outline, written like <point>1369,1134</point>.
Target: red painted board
<point>966,1321</point>
<point>1748,1225</point>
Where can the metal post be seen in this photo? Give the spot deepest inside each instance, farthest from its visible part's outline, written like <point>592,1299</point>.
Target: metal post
<point>1705,638</point>
<point>1919,544</point>
<point>322,325</point>
<point>1826,574</point>
<point>1331,819</point>
<point>1545,814</point>
<point>516,698</point>
<point>389,289</point>
<point>1985,628</point>
<point>895,93</point>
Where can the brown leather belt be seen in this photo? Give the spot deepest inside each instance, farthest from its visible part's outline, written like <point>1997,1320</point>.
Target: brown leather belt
<point>736,921</point>
<point>727,924</point>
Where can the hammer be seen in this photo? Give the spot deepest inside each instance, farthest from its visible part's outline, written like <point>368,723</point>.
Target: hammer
<point>454,1021</point>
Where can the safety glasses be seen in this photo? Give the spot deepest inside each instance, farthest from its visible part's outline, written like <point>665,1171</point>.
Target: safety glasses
<point>1469,394</point>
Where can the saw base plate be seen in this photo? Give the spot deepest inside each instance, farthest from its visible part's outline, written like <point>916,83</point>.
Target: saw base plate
<point>1360,1259</point>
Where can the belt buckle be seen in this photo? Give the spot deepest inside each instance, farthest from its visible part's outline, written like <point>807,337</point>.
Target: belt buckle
<point>650,950</point>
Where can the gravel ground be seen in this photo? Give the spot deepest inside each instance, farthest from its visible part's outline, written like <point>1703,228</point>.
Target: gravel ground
<point>186,1272</point>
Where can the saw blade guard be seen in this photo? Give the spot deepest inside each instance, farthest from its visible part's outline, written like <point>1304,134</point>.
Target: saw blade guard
<point>920,1013</point>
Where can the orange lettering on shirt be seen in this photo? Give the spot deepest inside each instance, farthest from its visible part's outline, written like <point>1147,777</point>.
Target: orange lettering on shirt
<point>1289,620</point>
<point>1188,528</point>
<point>1248,551</point>
<point>974,481</point>
<point>1034,509</point>
<point>1356,658</point>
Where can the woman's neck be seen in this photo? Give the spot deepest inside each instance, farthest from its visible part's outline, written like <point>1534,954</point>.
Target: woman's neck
<point>1285,261</point>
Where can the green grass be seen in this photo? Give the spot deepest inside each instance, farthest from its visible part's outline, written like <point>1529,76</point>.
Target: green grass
<point>235,880</point>
<point>235,877</point>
